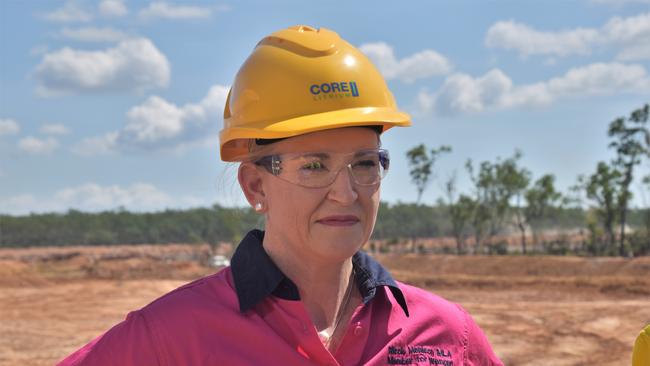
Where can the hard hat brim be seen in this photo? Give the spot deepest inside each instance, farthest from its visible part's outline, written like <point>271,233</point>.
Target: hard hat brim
<point>236,139</point>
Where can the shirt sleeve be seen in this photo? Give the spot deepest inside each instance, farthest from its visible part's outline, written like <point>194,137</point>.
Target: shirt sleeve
<point>479,352</point>
<point>128,343</point>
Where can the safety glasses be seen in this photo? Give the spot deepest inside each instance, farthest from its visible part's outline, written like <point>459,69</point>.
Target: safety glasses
<point>319,169</point>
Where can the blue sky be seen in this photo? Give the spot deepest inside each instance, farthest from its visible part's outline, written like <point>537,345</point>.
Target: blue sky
<point>111,103</point>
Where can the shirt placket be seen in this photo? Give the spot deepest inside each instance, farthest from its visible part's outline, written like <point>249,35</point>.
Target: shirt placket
<point>356,335</point>
<point>304,335</point>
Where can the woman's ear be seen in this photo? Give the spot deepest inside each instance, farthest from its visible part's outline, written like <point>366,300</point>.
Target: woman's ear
<point>250,181</point>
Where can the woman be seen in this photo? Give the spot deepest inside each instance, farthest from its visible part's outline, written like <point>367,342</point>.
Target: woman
<point>303,118</point>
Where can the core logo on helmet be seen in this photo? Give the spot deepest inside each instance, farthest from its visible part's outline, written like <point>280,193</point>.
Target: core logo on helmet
<point>334,90</point>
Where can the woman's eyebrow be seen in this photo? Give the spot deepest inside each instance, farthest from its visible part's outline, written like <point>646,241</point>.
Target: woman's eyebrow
<point>364,152</point>
<point>321,155</point>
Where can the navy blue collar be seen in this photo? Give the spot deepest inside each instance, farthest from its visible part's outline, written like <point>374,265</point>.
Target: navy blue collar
<point>256,276</point>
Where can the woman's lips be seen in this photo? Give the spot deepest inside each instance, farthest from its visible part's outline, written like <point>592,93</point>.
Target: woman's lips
<point>342,220</point>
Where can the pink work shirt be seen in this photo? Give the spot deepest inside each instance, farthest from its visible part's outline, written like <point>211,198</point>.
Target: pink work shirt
<point>246,315</point>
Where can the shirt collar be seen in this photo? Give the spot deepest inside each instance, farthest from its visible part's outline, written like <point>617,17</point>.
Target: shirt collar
<point>256,276</point>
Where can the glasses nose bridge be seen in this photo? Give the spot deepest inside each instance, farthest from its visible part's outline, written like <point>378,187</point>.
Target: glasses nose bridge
<point>351,176</point>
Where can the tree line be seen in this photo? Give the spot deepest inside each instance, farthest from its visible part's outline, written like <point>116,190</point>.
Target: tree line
<point>504,195</point>
<point>395,223</point>
<point>201,225</point>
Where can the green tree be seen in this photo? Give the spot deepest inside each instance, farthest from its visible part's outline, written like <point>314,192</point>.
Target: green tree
<point>539,200</point>
<point>496,184</point>
<point>632,141</point>
<point>602,187</point>
<point>513,182</point>
<point>460,213</point>
<point>640,240</point>
<point>480,214</point>
<point>421,164</point>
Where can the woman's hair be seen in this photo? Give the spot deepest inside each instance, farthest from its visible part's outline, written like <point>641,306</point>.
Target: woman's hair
<point>256,147</point>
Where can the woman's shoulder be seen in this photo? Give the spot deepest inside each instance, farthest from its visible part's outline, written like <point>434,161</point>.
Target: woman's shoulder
<point>420,299</point>
<point>445,317</point>
<point>215,290</point>
<point>162,329</point>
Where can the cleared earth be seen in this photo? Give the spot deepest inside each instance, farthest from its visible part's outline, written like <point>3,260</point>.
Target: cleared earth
<point>535,310</point>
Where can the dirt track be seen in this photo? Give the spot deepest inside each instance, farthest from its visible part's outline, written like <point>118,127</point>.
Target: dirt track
<point>535,310</point>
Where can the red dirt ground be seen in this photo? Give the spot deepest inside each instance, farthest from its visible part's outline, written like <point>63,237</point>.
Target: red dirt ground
<point>536,310</point>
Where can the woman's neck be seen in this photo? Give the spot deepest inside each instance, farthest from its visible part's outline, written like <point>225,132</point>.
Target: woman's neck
<point>323,285</point>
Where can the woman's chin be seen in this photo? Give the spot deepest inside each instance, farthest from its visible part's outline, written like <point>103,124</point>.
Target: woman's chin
<point>343,240</point>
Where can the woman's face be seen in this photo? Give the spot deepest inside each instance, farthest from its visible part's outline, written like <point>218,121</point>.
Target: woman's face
<point>330,223</point>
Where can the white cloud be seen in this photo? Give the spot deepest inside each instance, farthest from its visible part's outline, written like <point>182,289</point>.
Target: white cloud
<point>461,93</point>
<point>134,64</point>
<point>113,8</point>
<point>69,13</point>
<point>511,35</point>
<point>54,129</point>
<point>99,145</point>
<point>96,197</point>
<point>630,35</point>
<point>631,29</point>
<point>600,79</point>
<point>158,124</point>
<point>634,53</point>
<point>162,9</point>
<point>420,65</point>
<point>36,146</point>
<point>93,34</point>
<point>8,126</point>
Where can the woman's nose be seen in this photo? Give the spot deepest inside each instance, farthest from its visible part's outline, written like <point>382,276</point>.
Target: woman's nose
<point>343,189</point>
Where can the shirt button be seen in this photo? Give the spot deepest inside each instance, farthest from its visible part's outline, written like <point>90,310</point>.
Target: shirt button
<point>358,329</point>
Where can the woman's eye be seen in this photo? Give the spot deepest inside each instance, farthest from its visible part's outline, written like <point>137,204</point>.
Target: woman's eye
<point>313,165</point>
<point>365,163</point>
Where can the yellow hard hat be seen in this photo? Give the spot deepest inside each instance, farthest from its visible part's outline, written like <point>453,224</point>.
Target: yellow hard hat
<point>641,351</point>
<point>300,80</point>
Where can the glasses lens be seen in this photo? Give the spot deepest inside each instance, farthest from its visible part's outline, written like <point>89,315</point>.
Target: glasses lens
<point>312,170</point>
<point>316,170</point>
<point>369,167</point>
<point>308,170</point>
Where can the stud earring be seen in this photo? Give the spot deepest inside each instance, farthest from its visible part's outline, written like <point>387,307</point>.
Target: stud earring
<point>258,206</point>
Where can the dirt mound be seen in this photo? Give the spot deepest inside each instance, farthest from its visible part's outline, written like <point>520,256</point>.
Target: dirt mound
<point>550,277</point>
<point>514,266</point>
<point>41,266</point>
